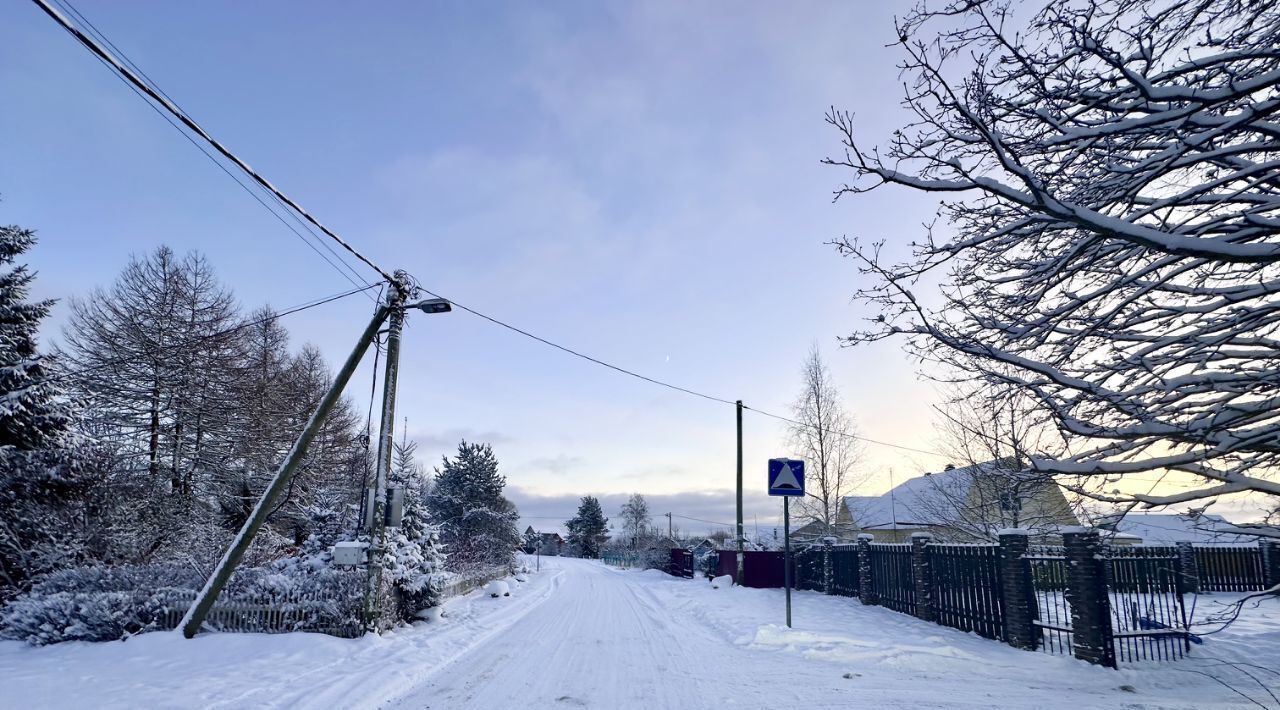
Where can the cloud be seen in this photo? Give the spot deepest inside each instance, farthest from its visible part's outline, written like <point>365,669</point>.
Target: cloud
<point>447,441</point>
<point>559,464</point>
<point>697,512</point>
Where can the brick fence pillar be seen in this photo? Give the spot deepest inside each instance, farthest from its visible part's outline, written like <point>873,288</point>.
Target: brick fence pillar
<point>827,578</point>
<point>1189,576</point>
<point>1087,595</point>
<point>1270,550</point>
<point>920,574</point>
<point>865,595</point>
<point>1018,591</point>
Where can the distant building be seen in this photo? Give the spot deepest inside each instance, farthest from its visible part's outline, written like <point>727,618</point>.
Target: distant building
<point>1170,529</point>
<point>549,544</point>
<point>968,504</point>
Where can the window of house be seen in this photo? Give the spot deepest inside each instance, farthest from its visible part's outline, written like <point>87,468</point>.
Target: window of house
<point>1010,501</point>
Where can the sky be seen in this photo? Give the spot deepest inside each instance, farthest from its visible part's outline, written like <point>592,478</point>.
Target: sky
<point>637,181</point>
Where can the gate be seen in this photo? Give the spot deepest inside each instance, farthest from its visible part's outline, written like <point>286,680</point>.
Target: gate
<point>1145,588</point>
<point>1050,612</point>
<point>681,563</point>
<point>1148,618</point>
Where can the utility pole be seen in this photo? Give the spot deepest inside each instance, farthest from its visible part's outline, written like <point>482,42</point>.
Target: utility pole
<point>199,609</point>
<point>386,438</point>
<point>740,556</point>
<point>670,535</point>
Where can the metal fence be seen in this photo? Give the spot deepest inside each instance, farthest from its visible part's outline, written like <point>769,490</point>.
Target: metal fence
<point>1051,614</point>
<point>1145,595</point>
<point>844,570</point>
<point>1106,605</point>
<point>965,588</point>
<point>809,568</point>
<point>892,580</point>
<point>1230,568</point>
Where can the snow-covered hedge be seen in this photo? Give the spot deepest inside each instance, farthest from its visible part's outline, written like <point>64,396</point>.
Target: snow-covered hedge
<point>95,603</point>
<point>109,603</point>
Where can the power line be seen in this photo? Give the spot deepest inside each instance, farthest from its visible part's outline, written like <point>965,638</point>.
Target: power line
<point>349,271</point>
<point>700,520</point>
<point>158,97</point>
<point>677,388</point>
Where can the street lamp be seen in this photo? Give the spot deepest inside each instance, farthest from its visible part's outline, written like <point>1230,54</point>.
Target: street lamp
<point>432,305</point>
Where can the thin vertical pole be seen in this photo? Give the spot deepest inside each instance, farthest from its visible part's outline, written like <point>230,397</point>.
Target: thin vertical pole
<point>200,606</point>
<point>386,438</point>
<point>786,546</point>
<point>670,534</point>
<point>740,556</point>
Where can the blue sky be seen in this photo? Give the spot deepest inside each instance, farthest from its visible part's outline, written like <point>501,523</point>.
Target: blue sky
<point>640,181</point>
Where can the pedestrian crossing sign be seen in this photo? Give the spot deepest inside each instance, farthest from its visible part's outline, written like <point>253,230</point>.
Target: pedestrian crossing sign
<point>786,477</point>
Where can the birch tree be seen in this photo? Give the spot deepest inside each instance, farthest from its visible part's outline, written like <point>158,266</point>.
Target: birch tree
<point>1107,239</point>
<point>819,436</point>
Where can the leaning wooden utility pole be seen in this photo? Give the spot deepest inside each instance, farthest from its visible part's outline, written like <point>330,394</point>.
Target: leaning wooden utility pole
<point>194,618</point>
<point>378,534</point>
<point>739,577</point>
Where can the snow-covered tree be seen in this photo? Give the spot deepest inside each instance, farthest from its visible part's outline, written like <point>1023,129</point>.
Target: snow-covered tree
<point>635,518</point>
<point>48,482</point>
<point>819,436</point>
<point>477,524</point>
<point>415,552</point>
<point>589,529</point>
<point>1109,243</point>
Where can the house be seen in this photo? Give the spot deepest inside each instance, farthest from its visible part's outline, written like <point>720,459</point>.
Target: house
<point>542,543</point>
<point>812,532</point>
<point>1169,529</point>
<point>550,544</point>
<point>967,504</point>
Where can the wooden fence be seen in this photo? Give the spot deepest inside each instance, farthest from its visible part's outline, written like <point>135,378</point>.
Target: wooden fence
<point>965,586</point>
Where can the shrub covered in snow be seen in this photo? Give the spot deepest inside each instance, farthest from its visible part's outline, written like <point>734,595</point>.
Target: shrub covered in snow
<point>95,603</point>
<point>497,588</point>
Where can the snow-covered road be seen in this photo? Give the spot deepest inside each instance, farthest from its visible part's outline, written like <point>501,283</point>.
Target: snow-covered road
<point>580,634</point>
<point>609,639</point>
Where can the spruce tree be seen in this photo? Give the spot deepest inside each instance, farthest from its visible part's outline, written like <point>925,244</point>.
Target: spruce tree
<point>588,530</point>
<point>44,483</point>
<point>477,524</point>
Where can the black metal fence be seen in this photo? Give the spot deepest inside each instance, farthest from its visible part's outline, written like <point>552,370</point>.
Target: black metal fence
<point>844,570</point>
<point>1106,605</point>
<point>965,588</point>
<point>892,580</point>
<point>1233,568</point>
<point>809,569</point>
<point>1145,594</point>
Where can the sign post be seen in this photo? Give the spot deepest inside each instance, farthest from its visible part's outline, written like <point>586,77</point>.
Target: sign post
<point>786,479</point>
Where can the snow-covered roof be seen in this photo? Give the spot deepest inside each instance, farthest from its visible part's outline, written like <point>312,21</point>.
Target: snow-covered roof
<point>923,500</point>
<point>1169,528</point>
<point>908,503</point>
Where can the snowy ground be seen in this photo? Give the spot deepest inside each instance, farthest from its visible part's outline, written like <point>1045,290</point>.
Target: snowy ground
<point>580,634</point>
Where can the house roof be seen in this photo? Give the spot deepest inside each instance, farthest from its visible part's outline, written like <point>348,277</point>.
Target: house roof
<point>907,504</point>
<point>1169,528</point>
<point>923,500</point>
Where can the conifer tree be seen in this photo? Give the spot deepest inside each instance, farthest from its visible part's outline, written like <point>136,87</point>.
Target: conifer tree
<point>589,529</point>
<point>44,487</point>
<point>477,524</point>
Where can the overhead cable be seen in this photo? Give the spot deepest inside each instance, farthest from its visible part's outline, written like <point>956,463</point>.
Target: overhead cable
<point>159,98</point>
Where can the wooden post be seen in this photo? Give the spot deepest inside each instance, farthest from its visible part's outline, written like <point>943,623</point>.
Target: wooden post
<point>199,609</point>
<point>740,556</point>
